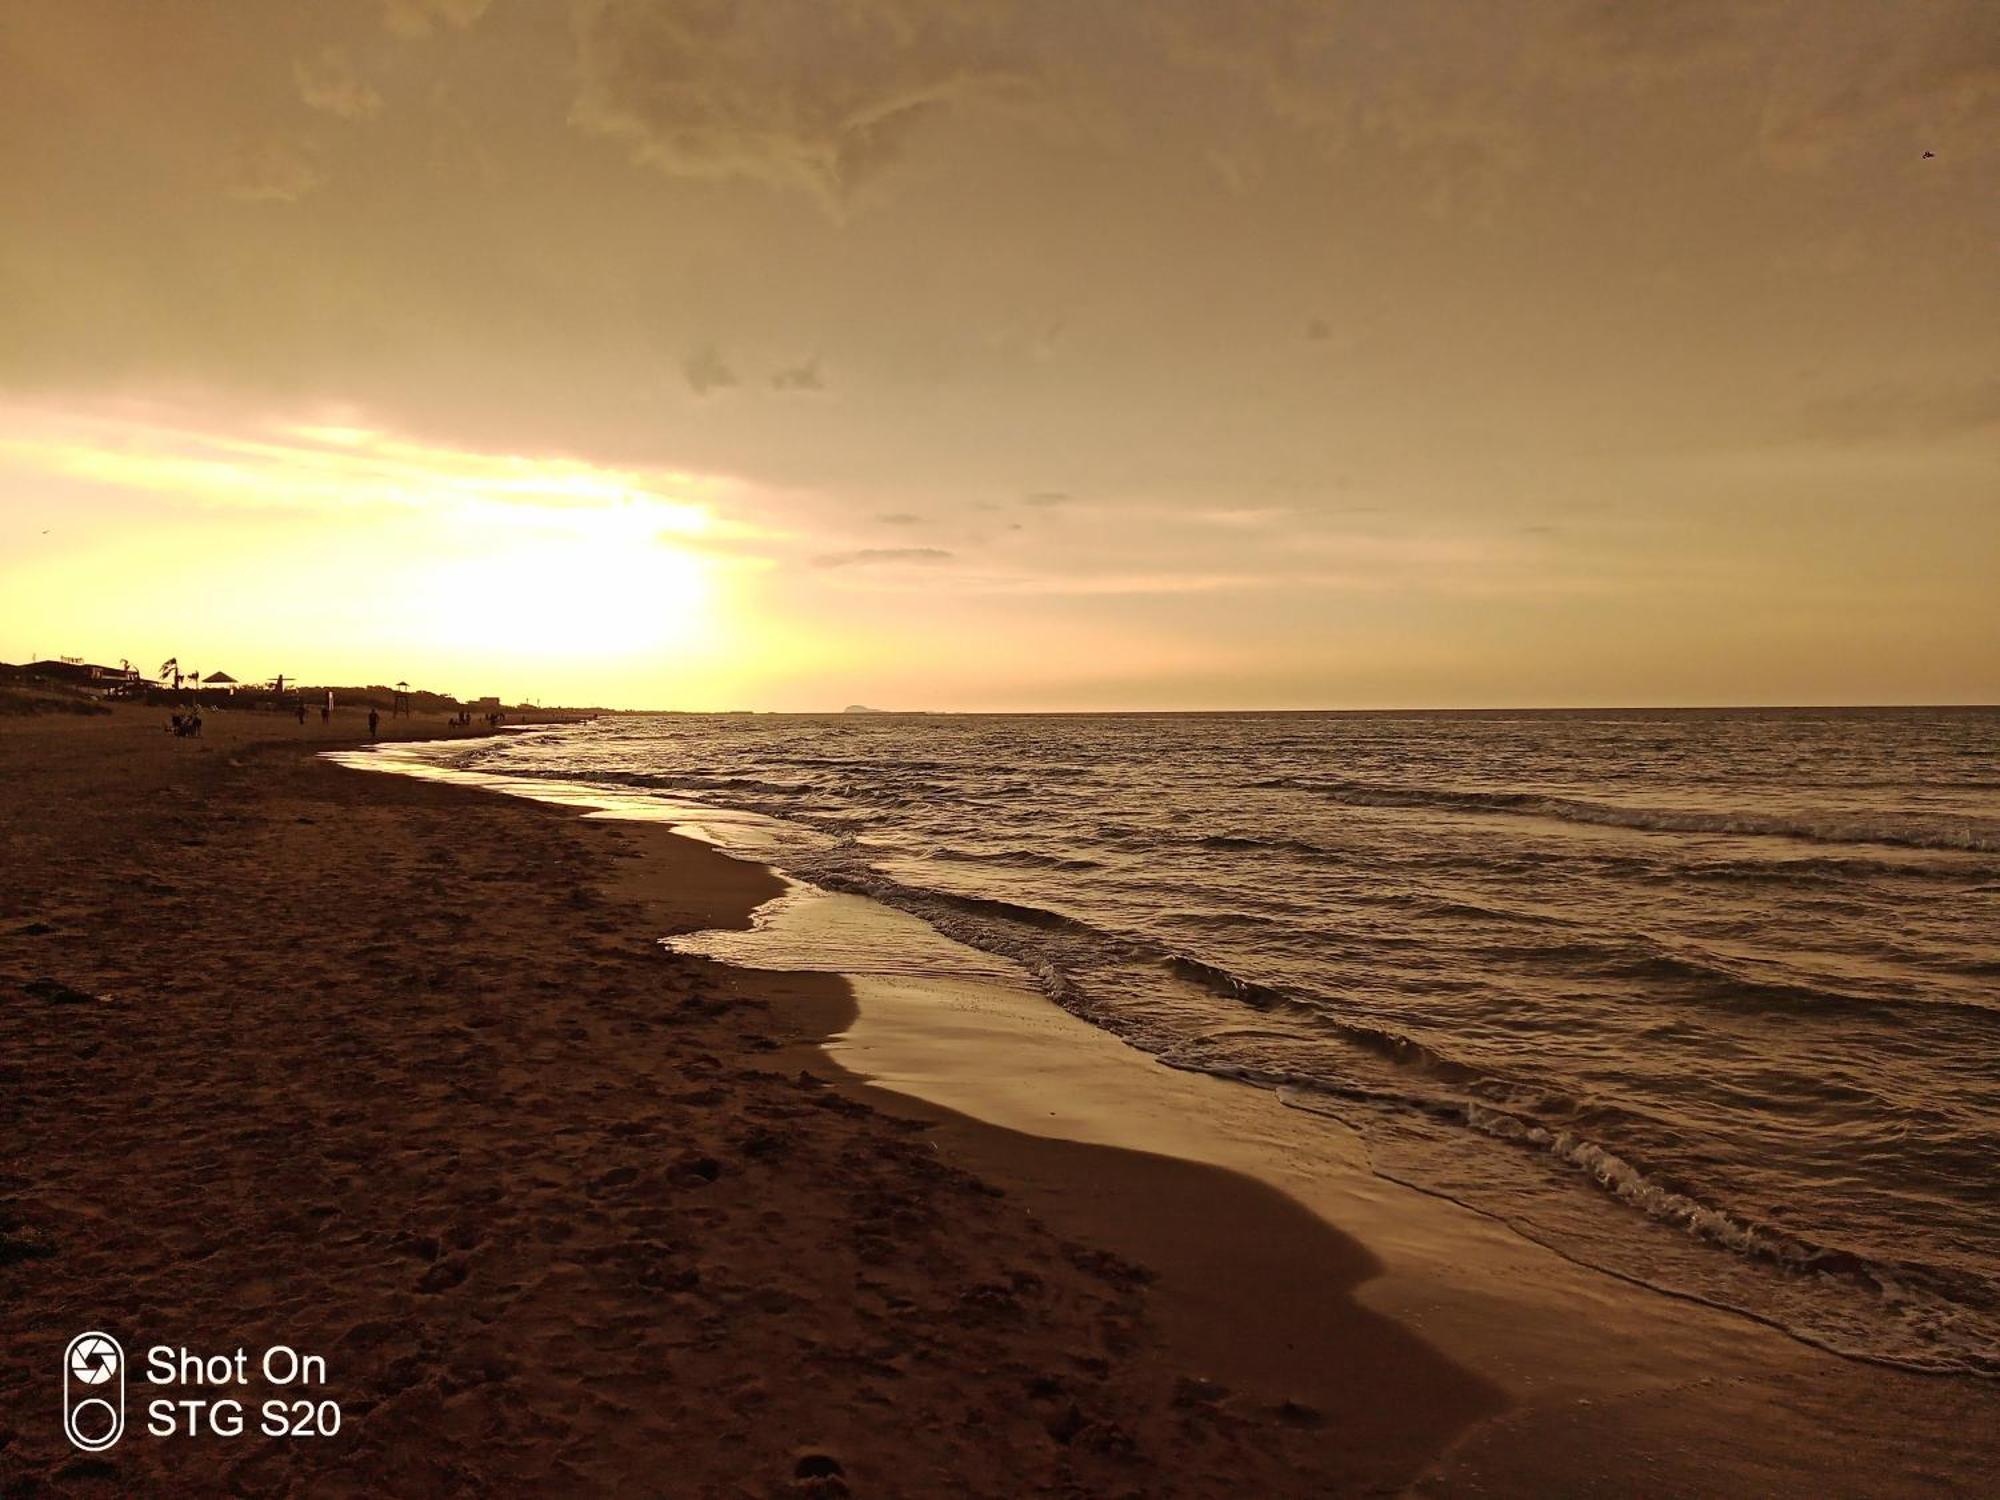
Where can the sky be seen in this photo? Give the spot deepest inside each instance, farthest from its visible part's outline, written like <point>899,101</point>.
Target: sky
<point>1008,354</point>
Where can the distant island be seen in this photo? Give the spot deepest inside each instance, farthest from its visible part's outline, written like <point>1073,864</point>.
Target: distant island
<point>862,708</point>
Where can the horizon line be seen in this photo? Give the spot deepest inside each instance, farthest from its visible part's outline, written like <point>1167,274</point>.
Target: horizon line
<point>1551,708</point>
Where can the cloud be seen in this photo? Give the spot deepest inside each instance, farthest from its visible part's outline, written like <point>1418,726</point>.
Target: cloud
<point>1047,498</point>
<point>1240,517</point>
<point>866,555</point>
<point>1318,330</point>
<point>416,19</point>
<point>900,518</point>
<point>272,170</point>
<point>328,82</point>
<point>1463,143</point>
<point>827,95</point>
<point>706,370</point>
<point>1344,83</point>
<point>1612,41</point>
<point>800,377</point>
<point>295,466</point>
<point>1896,410</point>
<point>1122,583</point>
<point>1921,75</point>
<point>816,94</point>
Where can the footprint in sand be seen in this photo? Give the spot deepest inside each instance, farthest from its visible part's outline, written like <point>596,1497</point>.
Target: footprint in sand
<point>819,1473</point>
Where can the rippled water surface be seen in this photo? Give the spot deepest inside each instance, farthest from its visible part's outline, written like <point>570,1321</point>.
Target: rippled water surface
<point>1711,1000</point>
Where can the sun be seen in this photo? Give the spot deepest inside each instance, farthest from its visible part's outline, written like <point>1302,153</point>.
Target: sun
<point>573,585</point>
<point>361,555</point>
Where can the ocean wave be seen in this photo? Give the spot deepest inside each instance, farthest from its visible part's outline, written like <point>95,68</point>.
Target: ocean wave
<point>1252,843</point>
<point>1825,870</point>
<point>1929,1299</point>
<point>985,922</point>
<point>1025,859</point>
<point>1902,830</point>
<point>1394,1046</point>
<point>1447,906</point>
<point>1738,984</point>
<point>997,926</point>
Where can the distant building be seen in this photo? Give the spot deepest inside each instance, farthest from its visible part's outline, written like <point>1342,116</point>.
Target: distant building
<point>485,705</point>
<point>220,680</point>
<point>75,672</point>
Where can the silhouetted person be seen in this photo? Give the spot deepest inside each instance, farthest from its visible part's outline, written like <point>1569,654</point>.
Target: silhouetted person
<point>325,713</point>
<point>374,724</point>
<point>302,715</point>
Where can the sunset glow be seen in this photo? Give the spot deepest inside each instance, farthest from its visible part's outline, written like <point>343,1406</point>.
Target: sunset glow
<point>320,548</point>
<point>1236,749</point>
<point>1593,359</point>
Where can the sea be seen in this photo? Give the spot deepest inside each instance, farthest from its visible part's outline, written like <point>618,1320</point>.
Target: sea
<point>1709,1000</point>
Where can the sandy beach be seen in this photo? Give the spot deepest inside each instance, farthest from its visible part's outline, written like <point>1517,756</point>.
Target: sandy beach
<point>398,1073</point>
<point>999,750</point>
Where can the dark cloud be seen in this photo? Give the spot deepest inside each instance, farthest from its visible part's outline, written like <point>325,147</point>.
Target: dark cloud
<point>804,376</point>
<point>706,370</point>
<point>881,555</point>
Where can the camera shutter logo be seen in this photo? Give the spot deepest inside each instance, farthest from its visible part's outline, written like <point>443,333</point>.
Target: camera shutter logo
<point>94,1391</point>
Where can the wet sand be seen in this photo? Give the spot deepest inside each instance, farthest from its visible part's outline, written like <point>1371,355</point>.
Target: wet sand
<point>395,1072</point>
<point>1611,1389</point>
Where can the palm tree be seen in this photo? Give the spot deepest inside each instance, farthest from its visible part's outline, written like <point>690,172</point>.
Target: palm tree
<point>171,667</point>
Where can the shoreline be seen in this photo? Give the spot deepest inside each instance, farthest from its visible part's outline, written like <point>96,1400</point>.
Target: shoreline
<point>1494,1297</point>
<point>947,1001</point>
<point>409,1075</point>
<point>1213,1241</point>
<point>397,1074</point>
<point>1217,1239</point>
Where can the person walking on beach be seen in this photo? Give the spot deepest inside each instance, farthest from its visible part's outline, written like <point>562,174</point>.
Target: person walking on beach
<point>374,724</point>
<point>302,715</point>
